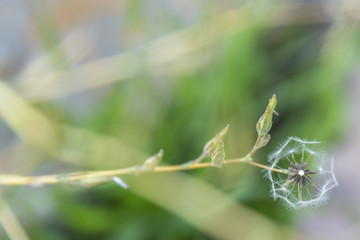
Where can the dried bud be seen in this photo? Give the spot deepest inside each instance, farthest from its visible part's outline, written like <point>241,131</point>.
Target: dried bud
<point>211,146</point>
<point>264,124</point>
<point>218,156</point>
<point>223,132</point>
<point>214,143</point>
<point>263,141</point>
<point>152,162</point>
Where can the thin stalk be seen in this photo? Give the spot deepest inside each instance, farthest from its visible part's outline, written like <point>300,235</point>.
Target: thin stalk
<point>254,149</point>
<point>92,177</point>
<point>299,192</point>
<point>200,158</point>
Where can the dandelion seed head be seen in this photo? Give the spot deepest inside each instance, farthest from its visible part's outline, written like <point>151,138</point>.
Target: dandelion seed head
<point>311,173</point>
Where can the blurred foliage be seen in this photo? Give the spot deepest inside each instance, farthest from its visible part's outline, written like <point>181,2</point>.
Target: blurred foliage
<point>305,65</point>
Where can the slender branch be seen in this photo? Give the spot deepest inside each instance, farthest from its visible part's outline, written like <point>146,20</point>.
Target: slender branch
<point>96,177</point>
<point>299,192</point>
<point>200,158</point>
<point>268,168</point>
<point>253,150</point>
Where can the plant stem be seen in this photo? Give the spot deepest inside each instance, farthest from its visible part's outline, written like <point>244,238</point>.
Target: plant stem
<point>200,158</point>
<point>253,150</point>
<point>93,177</point>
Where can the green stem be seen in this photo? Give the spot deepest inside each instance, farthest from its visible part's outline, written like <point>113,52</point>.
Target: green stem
<point>84,176</point>
<point>299,192</point>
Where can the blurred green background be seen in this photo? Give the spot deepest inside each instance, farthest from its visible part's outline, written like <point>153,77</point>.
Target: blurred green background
<point>104,85</point>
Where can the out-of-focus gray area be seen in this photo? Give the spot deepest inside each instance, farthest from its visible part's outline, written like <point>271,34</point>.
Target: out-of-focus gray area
<point>340,217</point>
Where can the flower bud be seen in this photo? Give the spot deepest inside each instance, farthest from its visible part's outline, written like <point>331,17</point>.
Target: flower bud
<point>264,124</point>
<point>210,147</point>
<point>263,141</point>
<point>152,162</point>
<point>218,158</point>
<point>223,132</point>
<point>213,144</point>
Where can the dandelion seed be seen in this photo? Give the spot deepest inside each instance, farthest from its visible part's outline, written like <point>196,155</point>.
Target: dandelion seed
<point>310,174</point>
<point>120,182</point>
